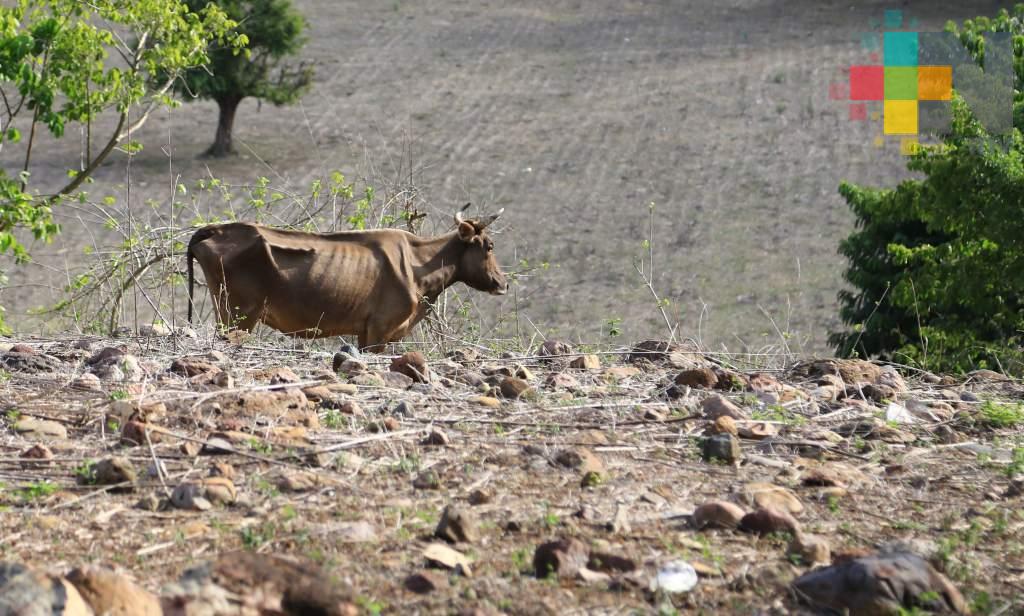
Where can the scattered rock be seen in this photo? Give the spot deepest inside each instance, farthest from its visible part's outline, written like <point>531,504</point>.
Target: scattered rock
<point>563,558</point>
<point>771,496</point>
<point>396,380</point>
<point>880,584</point>
<point>757,430</point>
<point>404,409</point>
<point>26,592</point>
<point>109,593</point>
<point>192,367</point>
<point>514,388</point>
<point>586,362</point>
<point>427,480</point>
<point>724,425</point>
<point>580,459</point>
<point>675,577</point>
<point>149,502</point>
<point>442,555</point>
<point>765,521</point>
<point>349,366</point>
<point>29,362</point>
<point>40,429</point>
<point>41,453</point>
<point>718,514</point>
<point>697,378</point>
<point>133,434</point>
<point>424,582</point>
<point>190,495</point>
<point>437,437</point>
<point>296,481</point>
<point>412,365</point>
<point>457,524</point>
<point>488,401</point>
<point>722,447</point>
<point>88,382</point>
<point>550,348</point>
<point>562,380</point>
<point>717,406</point>
<point>811,549</point>
<point>115,470</point>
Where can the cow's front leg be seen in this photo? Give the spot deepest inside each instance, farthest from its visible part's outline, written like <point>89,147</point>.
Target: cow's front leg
<point>373,339</point>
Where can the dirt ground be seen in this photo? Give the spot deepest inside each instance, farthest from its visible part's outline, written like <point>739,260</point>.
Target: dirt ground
<point>352,472</point>
<point>574,116</point>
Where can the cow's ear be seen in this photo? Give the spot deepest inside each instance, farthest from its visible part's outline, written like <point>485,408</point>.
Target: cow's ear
<point>466,231</point>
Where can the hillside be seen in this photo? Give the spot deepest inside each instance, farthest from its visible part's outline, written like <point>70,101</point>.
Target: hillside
<point>283,476</point>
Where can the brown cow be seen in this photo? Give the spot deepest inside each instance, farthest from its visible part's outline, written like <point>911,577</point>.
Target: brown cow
<point>374,284</point>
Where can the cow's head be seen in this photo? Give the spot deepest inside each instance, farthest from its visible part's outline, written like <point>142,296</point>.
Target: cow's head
<point>478,267</point>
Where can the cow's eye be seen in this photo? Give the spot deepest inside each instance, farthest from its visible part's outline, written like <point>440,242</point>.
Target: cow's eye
<point>490,247</point>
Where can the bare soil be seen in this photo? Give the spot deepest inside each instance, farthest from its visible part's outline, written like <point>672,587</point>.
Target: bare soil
<point>367,489</point>
<point>574,116</point>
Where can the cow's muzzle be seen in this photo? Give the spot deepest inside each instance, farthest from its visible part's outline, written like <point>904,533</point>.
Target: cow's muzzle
<point>500,287</point>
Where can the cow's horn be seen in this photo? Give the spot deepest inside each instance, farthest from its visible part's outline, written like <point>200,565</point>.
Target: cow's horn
<point>458,215</point>
<point>491,218</point>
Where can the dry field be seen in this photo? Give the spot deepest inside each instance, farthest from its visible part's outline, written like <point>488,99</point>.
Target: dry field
<point>162,455</point>
<point>573,115</point>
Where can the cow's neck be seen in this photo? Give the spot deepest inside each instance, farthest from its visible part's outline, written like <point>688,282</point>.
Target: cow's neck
<point>436,265</point>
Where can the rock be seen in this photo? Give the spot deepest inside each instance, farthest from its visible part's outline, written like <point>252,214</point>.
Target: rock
<point>892,379</point>
<point>652,351</point>
<point>675,577</point>
<point>267,584</point>
<point>296,481</point>
<point>562,380</point>
<point>586,362</point>
<point>757,430</point>
<point>873,391</point>
<point>771,496</point>
<point>563,558</point>
<point>41,453</point>
<point>427,480</point>
<point>115,470</point>
<point>351,367</point>
<point>118,368</point>
<point>424,582</point>
<point>716,406</point>
<point>764,383</point>
<point>26,592</point>
<point>412,365</point>
<point>697,378</point>
<point>880,584</point>
<point>619,373</point>
<point>31,363</point>
<point>465,355</point>
<point>437,437</point>
<point>718,514</point>
<point>442,555</point>
<point>287,407</point>
<point>109,593</point>
<point>404,409</point>
<point>133,434</point>
<point>192,366</point>
<point>722,447</point>
<point>149,502</point>
<point>396,380</point>
<point>766,521</point>
<point>190,495</point>
<point>515,388</point>
<point>811,549</point>
<point>724,425</point>
<point>487,401</point>
<point>40,429</point>
<point>550,348</point>
<point>580,459</point>
<point>457,524</point>
<point>154,330</point>
<point>851,371</point>
<point>88,382</point>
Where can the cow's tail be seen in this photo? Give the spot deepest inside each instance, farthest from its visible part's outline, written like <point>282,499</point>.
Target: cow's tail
<point>198,236</point>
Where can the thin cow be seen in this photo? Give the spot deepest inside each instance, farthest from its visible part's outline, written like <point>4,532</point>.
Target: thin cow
<point>373,284</point>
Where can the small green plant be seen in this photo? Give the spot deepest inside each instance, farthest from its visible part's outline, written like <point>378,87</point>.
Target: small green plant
<point>372,606</point>
<point>37,490</point>
<point>13,415</point>
<point>119,394</point>
<point>1001,415</point>
<point>254,537</point>
<point>86,472</point>
<point>521,560</point>
<point>1016,465</point>
<point>614,327</point>
<point>334,420</point>
<point>259,446</point>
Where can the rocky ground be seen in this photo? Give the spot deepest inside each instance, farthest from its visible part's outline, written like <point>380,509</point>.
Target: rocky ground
<point>196,475</point>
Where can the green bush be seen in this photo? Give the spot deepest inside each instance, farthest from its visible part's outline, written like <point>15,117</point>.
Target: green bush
<point>936,265</point>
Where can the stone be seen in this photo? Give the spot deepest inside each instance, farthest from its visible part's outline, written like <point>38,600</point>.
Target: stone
<point>40,429</point>
<point>87,382</point>
<point>465,355</point>
<point>427,480</point>
<point>282,375</point>
<point>437,437</point>
<point>190,367</point>
<point>487,401</point>
<point>27,592</point>
<point>190,495</point>
<point>133,434</point>
<point>515,388</point>
<point>412,365</point>
<point>810,549</point>
<point>586,362</point>
<point>40,454</point>
<point>396,380</point>
<point>121,368</point>
<point>444,556</point>
<point>562,380</point>
<point>288,407</point>
<point>722,447</point>
<point>880,584</point>
<point>149,502</point>
<point>580,459</point>
<point>766,521</point>
<point>404,409</point>
<point>30,363</point>
<point>296,481</point>
<point>718,514</point>
<point>424,582</point>
<point>717,405</point>
<point>757,431</point>
<point>550,348</point>
<point>115,470</point>
<point>771,496</point>
<point>562,558</point>
<point>109,593</point>
<point>677,576</point>
<point>349,366</point>
<point>457,525</point>
<point>764,383</point>
<point>219,490</point>
<point>724,425</point>
<point>620,373</point>
<point>697,378</point>
<point>653,351</point>
<point>154,330</point>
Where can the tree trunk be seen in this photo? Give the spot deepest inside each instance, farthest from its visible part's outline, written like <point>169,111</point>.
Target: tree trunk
<point>222,145</point>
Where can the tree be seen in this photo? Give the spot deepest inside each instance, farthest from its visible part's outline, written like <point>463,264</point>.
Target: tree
<point>274,31</point>
<point>937,264</point>
<point>69,62</point>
